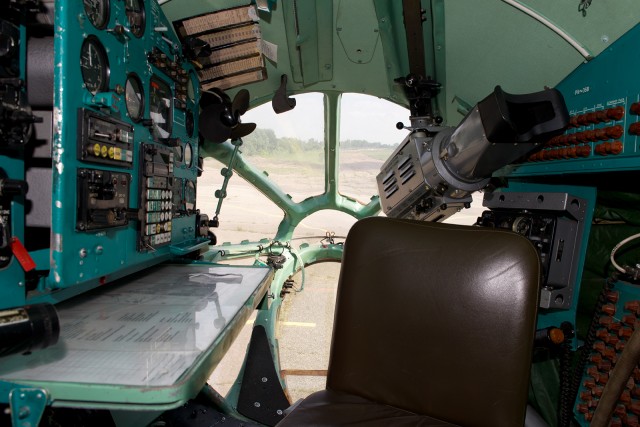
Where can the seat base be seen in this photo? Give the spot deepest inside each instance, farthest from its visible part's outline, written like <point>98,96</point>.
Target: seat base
<point>333,408</point>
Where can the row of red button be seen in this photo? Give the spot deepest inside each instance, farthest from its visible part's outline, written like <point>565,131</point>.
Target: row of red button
<point>602,134</point>
<point>611,340</point>
<point>615,113</point>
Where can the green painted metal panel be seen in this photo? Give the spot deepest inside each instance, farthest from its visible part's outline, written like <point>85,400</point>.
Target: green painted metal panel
<point>310,25</point>
<point>492,43</point>
<point>358,41</point>
<point>605,20</point>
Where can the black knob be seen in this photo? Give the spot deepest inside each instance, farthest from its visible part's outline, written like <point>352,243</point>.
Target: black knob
<point>399,125</point>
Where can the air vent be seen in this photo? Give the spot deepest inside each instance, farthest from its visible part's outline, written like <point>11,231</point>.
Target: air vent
<point>406,170</point>
<point>390,184</point>
<point>391,189</point>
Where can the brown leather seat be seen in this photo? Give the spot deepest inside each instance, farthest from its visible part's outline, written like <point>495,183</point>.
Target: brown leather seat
<point>434,326</point>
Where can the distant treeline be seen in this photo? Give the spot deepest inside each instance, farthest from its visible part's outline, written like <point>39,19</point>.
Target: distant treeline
<point>263,142</point>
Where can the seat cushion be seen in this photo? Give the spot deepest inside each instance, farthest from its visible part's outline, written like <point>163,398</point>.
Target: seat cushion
<point>333,408</point>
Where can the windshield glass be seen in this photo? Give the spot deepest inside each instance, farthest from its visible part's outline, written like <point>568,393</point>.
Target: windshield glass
<point>368,136</point>
<point>289,146</point>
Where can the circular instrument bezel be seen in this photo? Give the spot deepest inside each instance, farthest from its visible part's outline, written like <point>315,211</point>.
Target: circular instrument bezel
<point>140,31</point>
<point>103,62</point>
<point>187,155</point>
<point>134,79</point>
<point>191,87</point>
<point>105,13</point>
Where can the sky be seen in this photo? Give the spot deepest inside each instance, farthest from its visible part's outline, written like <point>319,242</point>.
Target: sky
<point>363,117</point>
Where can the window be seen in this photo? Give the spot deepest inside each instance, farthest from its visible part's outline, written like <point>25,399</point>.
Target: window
<point>304,329</point>
<point>289,146</point>
<point>368,136</point>
<point>246,213</point>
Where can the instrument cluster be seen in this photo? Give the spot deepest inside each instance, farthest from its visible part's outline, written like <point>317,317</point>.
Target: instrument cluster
<point>125,104</point>
<point>155,79</point>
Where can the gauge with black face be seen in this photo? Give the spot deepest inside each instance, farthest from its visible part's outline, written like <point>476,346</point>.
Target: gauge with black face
<point>135,14</point>
<point>98,12</point>
<point>160,102</point>
<point>134,97</point>
<point>189,123</point>
<point>94,65</point>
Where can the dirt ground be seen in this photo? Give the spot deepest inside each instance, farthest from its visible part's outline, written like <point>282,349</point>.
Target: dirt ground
<point>248,215</point>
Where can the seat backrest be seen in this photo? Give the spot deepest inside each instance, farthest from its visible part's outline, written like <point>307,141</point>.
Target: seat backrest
<point>436,319</point>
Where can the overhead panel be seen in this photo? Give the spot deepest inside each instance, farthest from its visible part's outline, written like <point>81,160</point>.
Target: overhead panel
<point>358,41</point>
<point>602,23</point>
<point>309,28</point>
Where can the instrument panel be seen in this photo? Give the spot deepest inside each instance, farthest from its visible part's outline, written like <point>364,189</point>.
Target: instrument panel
<point>121,130</point>
<point>128,99</point>
<point>603,98</point>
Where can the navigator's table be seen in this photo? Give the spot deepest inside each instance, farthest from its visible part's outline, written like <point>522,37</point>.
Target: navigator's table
<point>150,340</point>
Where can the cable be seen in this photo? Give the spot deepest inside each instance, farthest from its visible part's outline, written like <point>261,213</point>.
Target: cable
<point>317,237</point>
<point>618,246</point>
<point>553,27</point>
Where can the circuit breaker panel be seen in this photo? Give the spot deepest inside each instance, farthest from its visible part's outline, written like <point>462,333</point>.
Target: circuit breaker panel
<point>98,145</point>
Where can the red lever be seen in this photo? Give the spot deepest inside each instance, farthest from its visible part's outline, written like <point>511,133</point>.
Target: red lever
<point>22,255</point>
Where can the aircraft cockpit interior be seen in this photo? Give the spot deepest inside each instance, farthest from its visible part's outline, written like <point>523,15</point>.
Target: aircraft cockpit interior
<point>451,186</point>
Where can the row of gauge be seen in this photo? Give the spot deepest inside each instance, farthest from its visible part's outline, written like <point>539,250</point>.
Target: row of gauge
<point>96,72</point>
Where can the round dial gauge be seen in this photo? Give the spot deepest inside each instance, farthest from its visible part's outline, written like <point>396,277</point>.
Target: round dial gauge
<point>191,89</point>
<point>188,155</point>
<point>94,65</point>
<point>134,97</point>
<point>135,14</point>
<point>98,12</point>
